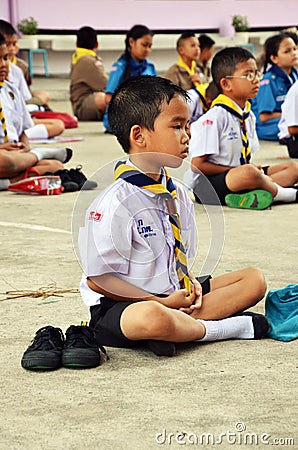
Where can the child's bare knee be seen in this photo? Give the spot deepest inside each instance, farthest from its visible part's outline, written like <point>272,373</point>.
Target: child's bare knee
<point>293,166</point>
<point>252,175</point>
<point>156,320</point>
<point>60,126</point>
<point>258,282</point>
<point>8,168</point>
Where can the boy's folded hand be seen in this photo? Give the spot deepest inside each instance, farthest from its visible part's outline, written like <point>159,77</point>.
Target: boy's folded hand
<point>196,294</point>
<point>12,146</point>
<point>179,299</point>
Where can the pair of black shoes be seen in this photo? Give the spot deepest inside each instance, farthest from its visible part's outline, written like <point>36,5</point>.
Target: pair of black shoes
<point>50,350</point>
<point>74,180</point>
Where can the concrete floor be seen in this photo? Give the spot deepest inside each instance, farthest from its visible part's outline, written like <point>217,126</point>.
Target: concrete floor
<point>244,391</point>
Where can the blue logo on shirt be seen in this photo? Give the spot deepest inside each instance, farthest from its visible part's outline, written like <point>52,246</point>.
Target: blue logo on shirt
<point>232,135</point>
<point>145,230</point>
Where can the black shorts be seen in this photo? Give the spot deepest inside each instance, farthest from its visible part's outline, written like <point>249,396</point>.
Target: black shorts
<point>105,319</point>
<point>204,193</point>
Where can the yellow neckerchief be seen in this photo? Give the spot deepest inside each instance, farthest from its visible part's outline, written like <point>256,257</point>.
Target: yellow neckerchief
<point>80,53</point>
<point>201,91</point>
<point>134,176</point>
<point>228,104</point>
<point>2,117</point>
<point>14,60</point>
<point>190,71</point>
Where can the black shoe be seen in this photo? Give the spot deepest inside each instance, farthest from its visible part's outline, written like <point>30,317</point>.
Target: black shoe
<point>67,182</point>
<point>260,323</point>
<point>161,348</point>
<point>78,177</point>
<point>80,348</point>
<point>45,351</point>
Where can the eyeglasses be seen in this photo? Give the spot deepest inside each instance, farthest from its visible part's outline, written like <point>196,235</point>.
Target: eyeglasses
<point>251,76</point>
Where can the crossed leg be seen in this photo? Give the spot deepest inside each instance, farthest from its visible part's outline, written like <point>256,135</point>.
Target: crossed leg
<point>230,293</point>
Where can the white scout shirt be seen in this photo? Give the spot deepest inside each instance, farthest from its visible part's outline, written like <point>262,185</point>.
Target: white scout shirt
<point>217,134</point>
<point>16,115</point>
<point>127,233</point>
<point>195,106</point>
<point>289,112</point>
<point>16,76</point>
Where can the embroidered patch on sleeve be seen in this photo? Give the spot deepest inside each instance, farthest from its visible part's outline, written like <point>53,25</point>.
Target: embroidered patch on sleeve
<point>94,215</point>
<point>207,122</point>
<point>265,82</point>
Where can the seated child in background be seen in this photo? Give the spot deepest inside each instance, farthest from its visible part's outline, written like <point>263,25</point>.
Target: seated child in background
<point>201,99</point>
<point>224,138</point>
<point>88,78</point>
<point>17,159</point>
<point>138,284</point>
<point>40,98</point>
<point>207,47</point>
<point>288,124</point>
<point>281,56</point>
<point>42,128</point>
<point>132,62</point>
<point>185,72</point>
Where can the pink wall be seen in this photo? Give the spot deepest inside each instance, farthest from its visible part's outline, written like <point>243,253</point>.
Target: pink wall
<point>156,14</point>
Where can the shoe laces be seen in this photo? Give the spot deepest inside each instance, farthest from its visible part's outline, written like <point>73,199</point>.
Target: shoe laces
<point>82,333</point>
<point>48,335</point>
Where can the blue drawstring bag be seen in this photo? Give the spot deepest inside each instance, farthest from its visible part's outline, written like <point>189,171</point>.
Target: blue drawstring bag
<point>281,310</point>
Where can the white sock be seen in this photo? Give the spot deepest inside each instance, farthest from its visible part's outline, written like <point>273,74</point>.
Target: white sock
<point>238,327</point>
<point>39,131</point>
<point>61,154</point>
<point>287,195</point>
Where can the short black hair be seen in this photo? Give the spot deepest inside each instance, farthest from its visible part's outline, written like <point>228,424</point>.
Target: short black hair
<point>138,101</point>
<point>2,39</point>
<point>87,38</point>
<point>205,41</point>
<point>212,90</point>
<point>225,62</point>
<point>7,28</point>
<point>183,37</point>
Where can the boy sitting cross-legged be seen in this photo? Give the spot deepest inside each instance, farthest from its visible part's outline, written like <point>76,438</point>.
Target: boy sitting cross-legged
<point>136,279</point>
<point>224,139</point>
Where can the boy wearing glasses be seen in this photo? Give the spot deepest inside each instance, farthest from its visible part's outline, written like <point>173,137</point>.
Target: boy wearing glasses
<point>224,139</point>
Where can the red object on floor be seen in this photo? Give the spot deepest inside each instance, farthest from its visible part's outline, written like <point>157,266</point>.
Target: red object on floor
<point>69,120</point>
<point>41,185</point>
